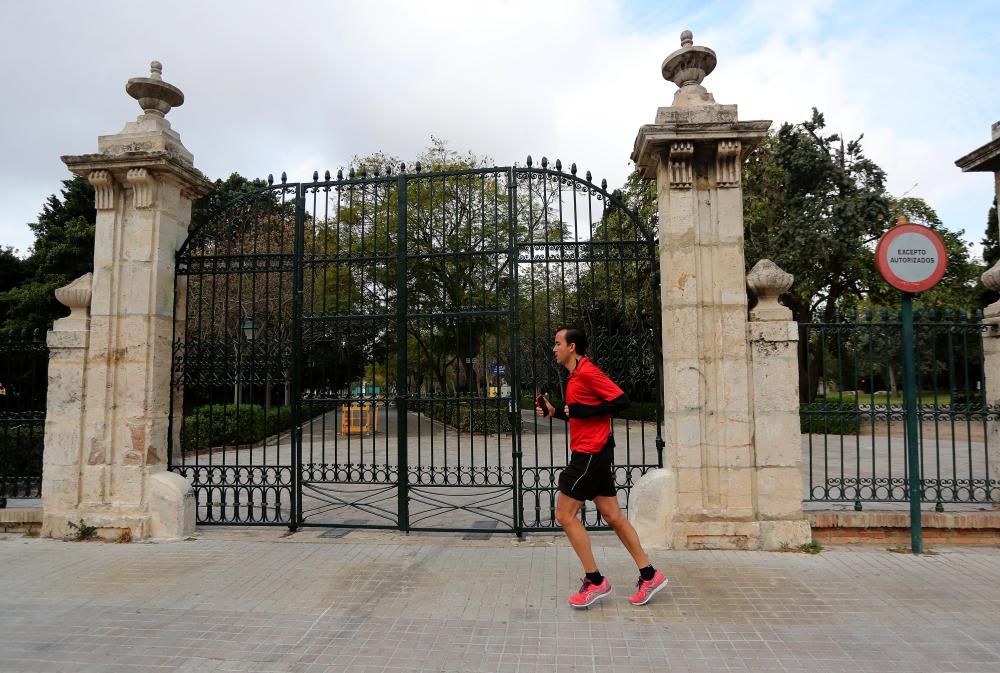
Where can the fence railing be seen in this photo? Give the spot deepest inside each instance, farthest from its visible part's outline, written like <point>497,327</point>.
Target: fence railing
<point>852,417</point>
<point>24,360</point>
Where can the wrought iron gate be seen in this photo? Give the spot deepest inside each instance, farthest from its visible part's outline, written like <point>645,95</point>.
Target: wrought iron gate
<point>364,350</point>
<point>24,362</point>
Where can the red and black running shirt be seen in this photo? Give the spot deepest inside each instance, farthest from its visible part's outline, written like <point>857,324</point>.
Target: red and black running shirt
<point>591,397</point>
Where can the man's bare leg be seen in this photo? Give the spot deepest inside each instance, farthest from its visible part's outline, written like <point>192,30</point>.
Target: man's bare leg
<point>568,517</point>
<point>612,514</point>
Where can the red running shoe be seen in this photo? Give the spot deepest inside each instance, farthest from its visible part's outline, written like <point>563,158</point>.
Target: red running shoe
<point>644,589</point>
<point>590,593</point>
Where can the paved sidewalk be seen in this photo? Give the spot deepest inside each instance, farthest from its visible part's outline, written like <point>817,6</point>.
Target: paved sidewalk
<point>253,600</point>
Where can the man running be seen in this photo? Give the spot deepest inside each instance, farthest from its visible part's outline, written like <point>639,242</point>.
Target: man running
<point>591,397</point>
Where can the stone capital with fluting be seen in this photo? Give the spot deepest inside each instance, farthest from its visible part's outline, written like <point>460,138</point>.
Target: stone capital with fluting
<point>768,281</point>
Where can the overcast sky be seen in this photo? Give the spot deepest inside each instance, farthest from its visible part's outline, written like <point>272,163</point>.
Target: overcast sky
<point>303,86</point>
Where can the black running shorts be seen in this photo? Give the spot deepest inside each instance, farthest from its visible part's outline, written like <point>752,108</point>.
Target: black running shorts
<point>589,475</point>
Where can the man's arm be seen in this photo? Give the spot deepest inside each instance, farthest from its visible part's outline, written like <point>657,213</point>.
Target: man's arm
<point>580,410</point>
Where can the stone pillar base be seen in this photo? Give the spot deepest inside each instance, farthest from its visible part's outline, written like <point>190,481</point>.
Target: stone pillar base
<point>169,515</point>
<point>172,506</point>
<point>111,524</point>
<point>716,535</point>
<point>784,534</point>
<point>766,535</point>
<point>651,507</point>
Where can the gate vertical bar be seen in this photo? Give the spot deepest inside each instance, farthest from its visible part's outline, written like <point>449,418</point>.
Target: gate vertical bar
<point>296,355</point>
<point>402,460</point>
<point>515,347</point>
<point>910,406</point>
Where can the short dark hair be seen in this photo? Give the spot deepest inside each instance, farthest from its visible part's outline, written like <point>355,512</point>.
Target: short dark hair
<point>574,335</point>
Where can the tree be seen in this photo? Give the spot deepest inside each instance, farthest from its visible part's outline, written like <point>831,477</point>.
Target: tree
<point>991,253</point>
<point>457,242</point>
<point>62,251</point>
<point>991,241</point>
<point>814,205</point>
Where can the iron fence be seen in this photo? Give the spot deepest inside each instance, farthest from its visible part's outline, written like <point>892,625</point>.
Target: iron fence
<point>24,359</point>
<point>853,421</point>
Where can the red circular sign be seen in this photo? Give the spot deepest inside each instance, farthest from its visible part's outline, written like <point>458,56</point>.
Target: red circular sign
<point>911,257</point>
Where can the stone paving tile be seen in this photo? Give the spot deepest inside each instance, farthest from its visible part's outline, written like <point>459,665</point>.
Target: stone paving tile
<point>252,600</point>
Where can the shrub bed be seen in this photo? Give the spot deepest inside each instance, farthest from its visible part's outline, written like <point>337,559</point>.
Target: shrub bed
<point>829,417</point>
<point>466,416</point>
<point>214,425</point>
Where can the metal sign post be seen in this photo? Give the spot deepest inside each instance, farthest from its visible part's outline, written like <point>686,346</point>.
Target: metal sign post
<point>911,258</point>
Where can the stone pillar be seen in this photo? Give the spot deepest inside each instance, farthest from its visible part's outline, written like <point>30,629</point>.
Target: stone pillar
<point>695,151</point>
<point>777,439</point>
<point>144,180</point>
<point>991,374</point>
<point>68,341</point>
<point>987,159</point>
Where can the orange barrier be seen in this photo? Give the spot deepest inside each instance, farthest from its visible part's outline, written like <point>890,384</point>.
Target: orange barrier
<point>358,419</point>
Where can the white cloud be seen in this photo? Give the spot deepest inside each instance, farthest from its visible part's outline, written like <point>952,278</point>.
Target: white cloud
<point>306,86</point>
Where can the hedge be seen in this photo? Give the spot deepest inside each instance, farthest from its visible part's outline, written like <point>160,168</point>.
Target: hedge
<point>214,425</point>
<point>21,449</point>
<point>466,416</point>
<point>830,417</point>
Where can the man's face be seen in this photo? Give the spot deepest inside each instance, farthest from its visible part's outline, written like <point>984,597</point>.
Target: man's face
<point>563,351</point>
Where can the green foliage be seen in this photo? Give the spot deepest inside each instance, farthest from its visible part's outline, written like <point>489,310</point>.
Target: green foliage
<point>811,547</point>
<point>814,205</point>
<point>467,416</point>
<point>214,425</point>
<point>13,269</point>
<point>63,250</point>
<point>21,450</point>
<point>639,411</point>
<point>83,531</point>
<point>831,417</point>
<point>991,241</point>
<point>991,252</point>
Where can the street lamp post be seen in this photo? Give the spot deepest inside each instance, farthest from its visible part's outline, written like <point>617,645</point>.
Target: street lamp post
<point>249,328</point>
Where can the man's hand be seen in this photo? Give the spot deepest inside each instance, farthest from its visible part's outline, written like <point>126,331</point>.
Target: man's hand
<point>544,407</point>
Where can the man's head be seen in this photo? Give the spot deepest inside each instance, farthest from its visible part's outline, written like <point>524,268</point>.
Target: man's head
<point>569,343</point>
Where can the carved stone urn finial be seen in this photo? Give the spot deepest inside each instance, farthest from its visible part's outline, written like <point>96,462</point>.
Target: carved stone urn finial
<point>768,282</point>
<point>687,68</point>
<point>991,278</point>
<point>76,296</point>
<point>155,96</point>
